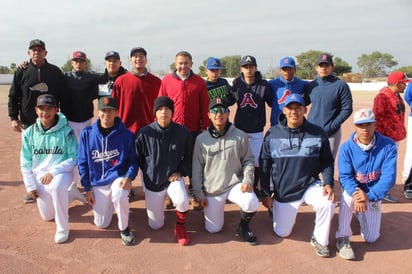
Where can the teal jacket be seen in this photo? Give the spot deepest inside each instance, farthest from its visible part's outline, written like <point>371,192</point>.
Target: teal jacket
<point>53,151</point>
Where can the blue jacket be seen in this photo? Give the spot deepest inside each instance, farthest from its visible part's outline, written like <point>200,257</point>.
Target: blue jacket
<point>293,158</point>
<point>331,101</point>
<point>102,159</point>
<point>281,89</point>
<point>408,97</point>
<point>373,171</point>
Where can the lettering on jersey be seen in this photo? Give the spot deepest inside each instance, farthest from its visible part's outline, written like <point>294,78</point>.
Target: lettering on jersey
<point>219,92</point>
<point>53,150</point>
<point>248,101</point>
<point>105,155</point>
<point>369,177</point>
<point>285,94</point>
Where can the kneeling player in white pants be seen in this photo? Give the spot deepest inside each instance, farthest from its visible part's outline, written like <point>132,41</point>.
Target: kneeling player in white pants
<point>214,212</point>
<point>284,214</point>
<point>155,200</point>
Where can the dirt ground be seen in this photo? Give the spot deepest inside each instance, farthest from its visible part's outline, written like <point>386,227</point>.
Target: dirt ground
<point>27,243</point>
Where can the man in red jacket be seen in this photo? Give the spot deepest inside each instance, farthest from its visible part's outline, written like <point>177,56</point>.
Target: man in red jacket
<point>389,110</point>
<point>188,91</point>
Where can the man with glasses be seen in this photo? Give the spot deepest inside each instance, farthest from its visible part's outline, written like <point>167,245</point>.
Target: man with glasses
<point>389,109</point>
<point>223,167</point>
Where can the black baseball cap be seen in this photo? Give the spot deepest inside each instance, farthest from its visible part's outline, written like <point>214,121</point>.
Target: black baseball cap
<point>37,43</point>
<point>113,54</point>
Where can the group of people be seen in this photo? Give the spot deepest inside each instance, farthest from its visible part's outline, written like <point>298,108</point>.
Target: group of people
<point>179,127</point>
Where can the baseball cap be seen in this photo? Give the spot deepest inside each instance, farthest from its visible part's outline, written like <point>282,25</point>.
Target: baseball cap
<point>37,43</point>
<point>107,102</point>
<point>248,60</point>
<point>287,62</point>
<point>398,77</point>
<point>163,101</point>
<point>138,49</point>
<point>79,55</point>
<point>113,54</point>
<point>213,63</point>
<point>324,58</point>
<point>364,115</point>
<point>294,98</point>
<point>218,102</point>
<point>46,100</point>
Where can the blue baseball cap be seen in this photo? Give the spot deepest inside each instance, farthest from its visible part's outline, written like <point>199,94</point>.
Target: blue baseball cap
<point>295,98</point>
<point>213,63</point>
<point>287,62</point>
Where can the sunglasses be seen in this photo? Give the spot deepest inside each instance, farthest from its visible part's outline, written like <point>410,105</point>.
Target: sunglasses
<point>220,110</point>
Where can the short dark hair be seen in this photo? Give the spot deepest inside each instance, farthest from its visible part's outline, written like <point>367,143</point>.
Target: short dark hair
<point>184,53</point>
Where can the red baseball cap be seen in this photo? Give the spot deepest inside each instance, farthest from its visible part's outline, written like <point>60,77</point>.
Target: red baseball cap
<point>79,55</point>
<point>398,77</point>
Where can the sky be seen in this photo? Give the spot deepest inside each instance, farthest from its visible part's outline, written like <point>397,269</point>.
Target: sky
<point>266,29</point>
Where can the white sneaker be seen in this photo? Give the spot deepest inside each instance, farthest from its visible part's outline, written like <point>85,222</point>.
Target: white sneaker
<point>61,236</point>
<point>75,194</point>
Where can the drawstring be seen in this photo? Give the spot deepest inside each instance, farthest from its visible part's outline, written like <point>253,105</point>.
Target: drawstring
<point>291,132</point>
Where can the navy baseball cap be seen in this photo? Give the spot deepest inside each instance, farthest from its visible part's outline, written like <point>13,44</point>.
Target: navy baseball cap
<point>294,98</point>
<point>324,58</point>
<point>213,63</point>
<point>46,100</point>
<point>137,49</point>
<point>287,62</point>
<point>113,54</point>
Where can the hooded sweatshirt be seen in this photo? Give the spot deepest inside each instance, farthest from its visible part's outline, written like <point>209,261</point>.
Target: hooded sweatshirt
<point>102,159</point>
<point>293,159</point>
<point>221,162</point>
<point>53,151</point>
<point>373,171</point>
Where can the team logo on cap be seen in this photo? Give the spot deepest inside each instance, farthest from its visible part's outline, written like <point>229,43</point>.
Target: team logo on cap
<point>106,101</point>
<point>363,115</point>
<point>324,57</point>
<point>248,59</point>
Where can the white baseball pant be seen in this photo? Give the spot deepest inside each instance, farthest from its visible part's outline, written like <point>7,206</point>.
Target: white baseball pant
<point>407,162</point>
<point>111,198</point>
<point>214,212</point>
<point>370,220</point>
<point>53,201</point>
<point>255,142</point>
<point>284,214</point>
<point>155,202</point>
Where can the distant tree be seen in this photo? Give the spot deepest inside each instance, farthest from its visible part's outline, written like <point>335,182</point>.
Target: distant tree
<point>230,66</point>
<point>4,70</point>
<point>407,70</point>
<point>375,64</point>
<point>68,65</point>
<point>341,66</point>
<point>13,67</point>
<point>272,73</point>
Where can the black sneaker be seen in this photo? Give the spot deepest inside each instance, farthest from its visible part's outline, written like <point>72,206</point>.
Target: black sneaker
<point>321,250</point>
<point>127,237</point>
<point>247,235</point>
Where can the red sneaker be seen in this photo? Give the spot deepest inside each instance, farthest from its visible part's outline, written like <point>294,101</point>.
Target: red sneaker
<point>181,234</point>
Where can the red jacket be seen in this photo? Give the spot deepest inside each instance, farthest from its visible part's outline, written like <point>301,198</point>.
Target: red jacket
<point>136,95</point>
<point>389,110</point>
<point>191,100</point>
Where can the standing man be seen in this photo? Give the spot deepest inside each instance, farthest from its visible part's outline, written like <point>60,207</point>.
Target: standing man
<point>38,77</point>
<point>367,171</point>
<point>136,91</point>
<point>285,85</point>
<point>331,101</point>
<point>107,166</point>
<point>389,110</point>
<point>407,162</point>
<point>250,91</point>
<point>113,69</point>
<point>223,168</point>
<point>164,152</point>
<point>189,93</point>
<point>48,156</point>
<point>294,152</point>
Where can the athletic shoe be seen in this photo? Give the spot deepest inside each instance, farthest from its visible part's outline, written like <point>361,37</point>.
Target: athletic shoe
<point>169,203</point>
<point>195,204</point>
<point>181,234</point>
<point>127,237</point>
<point>61,236</point>
<point>408,194</point>
<point>344,248</point>
<point>76,194</point>
<point>322,251</point>
<point>28,199</point>
<point>247,235</point>
<point>389,198</point>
